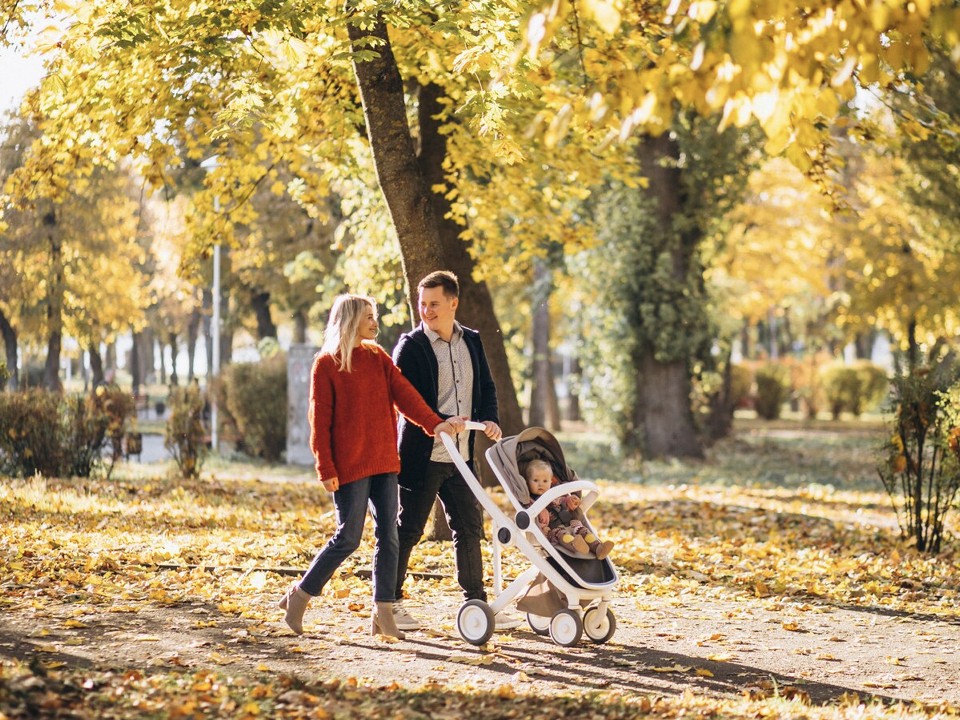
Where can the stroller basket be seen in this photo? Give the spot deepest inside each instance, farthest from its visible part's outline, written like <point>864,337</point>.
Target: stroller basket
<point>581,586</point>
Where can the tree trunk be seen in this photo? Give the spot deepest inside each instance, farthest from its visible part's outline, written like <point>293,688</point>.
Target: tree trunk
<point>110,360</point>
<point>543,395</point>
<point>96,365</point>
<point>426,243</point>
<point>147,356</point>
<point>51,371</point>
<point>136,373</point>
<point>174,351</point>
<point>573,390</point>
<point>300,327</point>
<point>663,418</point>
<point>193,332</point>
<point>476,303</point>
<point>394,157</point>
<point>863,344</point>
<point>913,346</point>
<point>720,419</point>
<point>260,302</point>
<point>10,351</point>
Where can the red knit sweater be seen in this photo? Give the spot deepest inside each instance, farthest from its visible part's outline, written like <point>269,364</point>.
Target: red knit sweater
<point>353,415</point>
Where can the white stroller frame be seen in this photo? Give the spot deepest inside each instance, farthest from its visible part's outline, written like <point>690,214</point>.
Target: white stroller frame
<point>475,619</point>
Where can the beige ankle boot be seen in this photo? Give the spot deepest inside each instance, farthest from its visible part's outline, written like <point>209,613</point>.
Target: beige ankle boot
<point>295,603</point>
<point>383,622</point>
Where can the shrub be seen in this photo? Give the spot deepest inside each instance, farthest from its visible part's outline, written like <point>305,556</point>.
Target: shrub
<point>920,464</point>
<point>874,387</point>
<point>854,388</point>
<point>84,429</point>
<point>30,441</point>
<point>256,398</point>
<point>61,436</point>
<point>4,375</point>
<point>186,434</point>
<point>773,389</point>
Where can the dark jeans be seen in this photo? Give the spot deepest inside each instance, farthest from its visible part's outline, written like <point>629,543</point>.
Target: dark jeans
<point>351,501</point>
<point>464,516</point>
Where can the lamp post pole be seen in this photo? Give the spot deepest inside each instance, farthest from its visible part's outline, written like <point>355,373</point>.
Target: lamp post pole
<point>214,439</point>
<point>210,164</point>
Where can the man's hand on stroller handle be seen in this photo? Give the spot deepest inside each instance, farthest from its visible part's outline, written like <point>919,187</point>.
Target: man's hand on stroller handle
<point>492,430</point>
<point>488,428</point>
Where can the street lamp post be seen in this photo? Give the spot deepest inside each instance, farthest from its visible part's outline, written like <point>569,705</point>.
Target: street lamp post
<point>210,164</point>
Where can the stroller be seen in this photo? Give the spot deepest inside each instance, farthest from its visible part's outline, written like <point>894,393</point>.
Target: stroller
<point>565,594</point>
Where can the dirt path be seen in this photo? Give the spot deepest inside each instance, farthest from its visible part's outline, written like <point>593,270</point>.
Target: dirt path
<point>707,641</point>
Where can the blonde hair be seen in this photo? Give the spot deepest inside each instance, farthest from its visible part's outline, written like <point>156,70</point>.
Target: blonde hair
<point>536,465</point>
<point>343,327</point>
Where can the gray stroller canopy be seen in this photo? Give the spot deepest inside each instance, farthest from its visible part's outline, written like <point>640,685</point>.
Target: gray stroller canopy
<point>512,454</point>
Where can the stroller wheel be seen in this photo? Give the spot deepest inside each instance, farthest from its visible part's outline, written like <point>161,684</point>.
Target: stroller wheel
<point>475,622</point>
<point>599,627</point>
<point>566,627</point>
<point>539,624</point>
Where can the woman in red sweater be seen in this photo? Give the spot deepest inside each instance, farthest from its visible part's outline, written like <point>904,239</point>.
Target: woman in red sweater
<point>355,392</point>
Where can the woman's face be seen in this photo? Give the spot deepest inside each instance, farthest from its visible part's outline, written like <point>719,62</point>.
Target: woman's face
<point>368,328</point>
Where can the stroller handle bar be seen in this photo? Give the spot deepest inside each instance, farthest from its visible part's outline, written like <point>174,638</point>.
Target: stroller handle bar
<point>472,425</point>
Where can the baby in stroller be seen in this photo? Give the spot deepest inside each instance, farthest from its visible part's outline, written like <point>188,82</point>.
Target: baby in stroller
<point>560,521</point>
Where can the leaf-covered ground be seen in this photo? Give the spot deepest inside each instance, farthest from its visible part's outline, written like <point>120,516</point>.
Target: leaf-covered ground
<point>769,581</point>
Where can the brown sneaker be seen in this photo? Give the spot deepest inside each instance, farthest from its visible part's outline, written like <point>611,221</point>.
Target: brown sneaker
<point>602,549</point>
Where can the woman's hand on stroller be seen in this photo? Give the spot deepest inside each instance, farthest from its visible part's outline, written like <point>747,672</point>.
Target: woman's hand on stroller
<point>452,425</point>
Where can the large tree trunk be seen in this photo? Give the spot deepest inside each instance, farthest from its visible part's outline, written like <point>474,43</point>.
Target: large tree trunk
<point>260,302</point>
<point>394,156</point>
<point>10,351</point>
<point>663,418</point>
<point>51,370</point>
<point>427,242</point>
<point>414,210</point>
<point>476,304</point>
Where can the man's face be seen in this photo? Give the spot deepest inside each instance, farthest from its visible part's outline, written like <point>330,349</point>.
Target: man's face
<point>437,310</point>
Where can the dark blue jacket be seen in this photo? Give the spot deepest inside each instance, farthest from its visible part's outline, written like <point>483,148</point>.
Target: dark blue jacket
<point>418,363</point>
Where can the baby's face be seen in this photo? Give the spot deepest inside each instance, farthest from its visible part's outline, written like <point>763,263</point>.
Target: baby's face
<point>539,482</point>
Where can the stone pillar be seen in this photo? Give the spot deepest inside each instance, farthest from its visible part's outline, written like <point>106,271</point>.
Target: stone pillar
<point>299,363</point>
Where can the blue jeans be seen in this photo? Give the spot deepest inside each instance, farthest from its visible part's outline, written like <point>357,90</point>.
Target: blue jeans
<point>351,501</point>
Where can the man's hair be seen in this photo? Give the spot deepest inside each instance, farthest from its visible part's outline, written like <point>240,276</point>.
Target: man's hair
<point>441,279</point>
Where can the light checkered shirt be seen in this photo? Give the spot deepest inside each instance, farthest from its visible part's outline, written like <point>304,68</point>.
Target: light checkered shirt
<point>454,387</point>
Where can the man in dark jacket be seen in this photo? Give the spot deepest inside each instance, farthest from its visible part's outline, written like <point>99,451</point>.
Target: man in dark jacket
<point>446,363</point>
